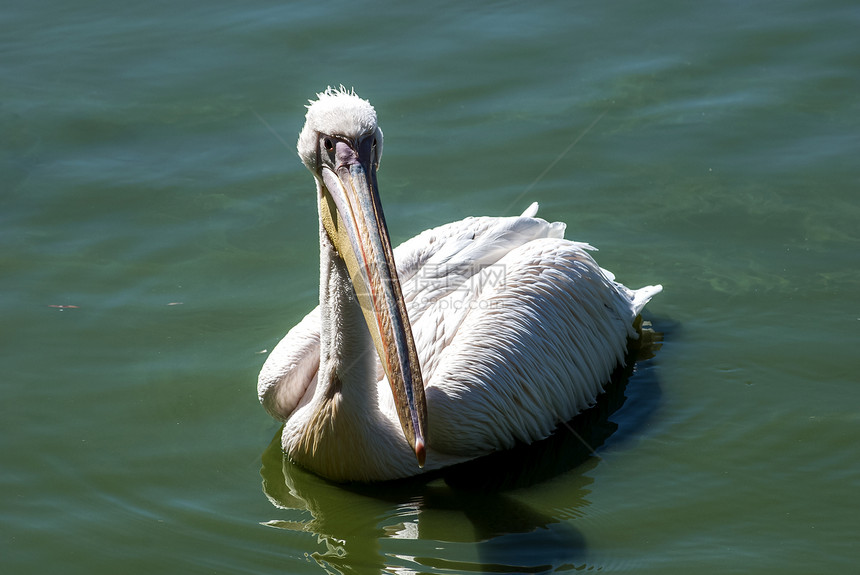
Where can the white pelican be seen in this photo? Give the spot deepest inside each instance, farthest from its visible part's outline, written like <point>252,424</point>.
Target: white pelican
<point>462,341</point>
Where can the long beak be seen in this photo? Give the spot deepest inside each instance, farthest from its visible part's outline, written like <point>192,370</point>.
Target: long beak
<point>353,218</point>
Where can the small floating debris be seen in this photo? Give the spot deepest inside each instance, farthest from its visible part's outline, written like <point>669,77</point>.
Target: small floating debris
<point>61,306</point>
<point>176,303</point>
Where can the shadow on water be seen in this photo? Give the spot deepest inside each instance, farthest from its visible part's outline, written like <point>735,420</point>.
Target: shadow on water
<point>470,517</point>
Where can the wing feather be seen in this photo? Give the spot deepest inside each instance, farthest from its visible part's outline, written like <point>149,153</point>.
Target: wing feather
<point>531,351</point>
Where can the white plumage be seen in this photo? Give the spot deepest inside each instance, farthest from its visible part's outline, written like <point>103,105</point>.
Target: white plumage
<point>516,330</point>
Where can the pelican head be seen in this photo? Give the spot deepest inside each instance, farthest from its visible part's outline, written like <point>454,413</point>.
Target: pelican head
<point>341,145</point>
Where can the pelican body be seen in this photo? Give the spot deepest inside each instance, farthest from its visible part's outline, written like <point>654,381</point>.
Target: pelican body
<point>464,340</point>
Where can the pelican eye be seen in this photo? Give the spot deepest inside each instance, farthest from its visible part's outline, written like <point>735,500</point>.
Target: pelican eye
<point>329,145</point>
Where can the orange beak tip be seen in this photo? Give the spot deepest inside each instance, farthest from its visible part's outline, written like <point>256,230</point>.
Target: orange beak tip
<point>420,452</point>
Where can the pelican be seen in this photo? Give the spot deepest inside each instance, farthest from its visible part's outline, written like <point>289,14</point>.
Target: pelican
<point>462,341</point>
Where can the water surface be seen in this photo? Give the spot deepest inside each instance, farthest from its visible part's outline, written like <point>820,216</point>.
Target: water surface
<point>158,236</point>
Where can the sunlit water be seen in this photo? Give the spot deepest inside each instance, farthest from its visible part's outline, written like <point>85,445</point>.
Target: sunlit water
<point>158,236</point>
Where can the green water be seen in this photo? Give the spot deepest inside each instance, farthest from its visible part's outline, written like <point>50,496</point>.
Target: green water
<point>148,178</point>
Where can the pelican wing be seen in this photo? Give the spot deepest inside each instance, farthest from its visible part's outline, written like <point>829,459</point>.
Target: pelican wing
<point>537,337</point>
<point>290,371</point>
